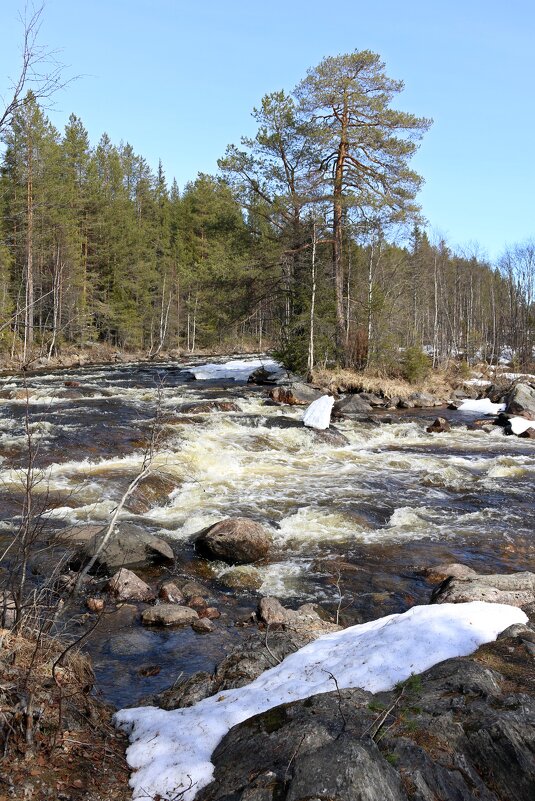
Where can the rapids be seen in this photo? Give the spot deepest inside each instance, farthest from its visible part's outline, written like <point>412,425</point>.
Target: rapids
<point>353,526</point>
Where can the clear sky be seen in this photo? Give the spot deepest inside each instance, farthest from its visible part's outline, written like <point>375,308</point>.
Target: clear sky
<point>178,79</point>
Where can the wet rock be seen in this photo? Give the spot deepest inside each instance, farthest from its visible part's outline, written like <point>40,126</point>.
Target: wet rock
<point>521,401</point>
<point>237,540</point>
<point>271,612</point>
<point>283,422</point>
<point>305,620</point>
<point>423,400</point>
<point>350,405</point>
<point>203,626</point>
<point>374,400</point>
<point>262,376</point>
<point>516,589</point>
<point>210,612</point>
<point>154,490</point>
<point>497,392</point>
<point>242,577</point>
<point>192,588</point>
<point>128,546</point>
<point>205,407</point>
<point>169,615</point>
<point>438,426</point>
<point>453,570</point>
<point>529,433</point>
<point>197,603</point>
<point>298,394</point>
<point>170,594</point>
<point>126,586</point>
<point>95,605</point>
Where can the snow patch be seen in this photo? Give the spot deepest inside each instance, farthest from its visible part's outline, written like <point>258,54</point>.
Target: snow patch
<point>483,406</point>
<point>170,752</point>
<point>236,369</point>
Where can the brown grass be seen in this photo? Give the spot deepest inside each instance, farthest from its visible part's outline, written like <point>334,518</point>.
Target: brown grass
<point>439,382</point>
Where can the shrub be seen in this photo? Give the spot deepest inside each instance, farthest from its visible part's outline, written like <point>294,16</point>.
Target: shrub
<point>416,365</point>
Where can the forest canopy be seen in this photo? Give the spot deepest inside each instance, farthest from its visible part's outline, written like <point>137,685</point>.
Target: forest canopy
<point>310,240</point>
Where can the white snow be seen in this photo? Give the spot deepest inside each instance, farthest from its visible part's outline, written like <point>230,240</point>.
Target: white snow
<point>170,751</point>
<point>520,424</point>
<point>483,406</point>
<point>318,414</point>
<point>237,369</point>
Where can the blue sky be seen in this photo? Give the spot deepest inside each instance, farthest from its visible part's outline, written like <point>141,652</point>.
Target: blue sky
<point>178,80</point>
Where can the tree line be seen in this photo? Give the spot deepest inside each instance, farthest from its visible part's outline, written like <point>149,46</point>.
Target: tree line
<point>309,240</point>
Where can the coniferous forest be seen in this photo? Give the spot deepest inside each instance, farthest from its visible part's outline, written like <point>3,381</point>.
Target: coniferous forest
<point>309,240</point>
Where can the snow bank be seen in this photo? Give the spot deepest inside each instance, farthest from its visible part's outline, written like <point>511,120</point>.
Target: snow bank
<point>171,751</point>
<point>318,414</point>
<point>483,406</point>
<point>237,369</point>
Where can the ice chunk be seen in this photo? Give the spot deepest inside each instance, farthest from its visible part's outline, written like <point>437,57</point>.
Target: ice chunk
<point>318,414</point>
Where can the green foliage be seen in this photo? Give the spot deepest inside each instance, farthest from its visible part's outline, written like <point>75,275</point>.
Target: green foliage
<point>416,365</point>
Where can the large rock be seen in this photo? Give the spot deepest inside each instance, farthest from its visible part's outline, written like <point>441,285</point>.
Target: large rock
<point>236,540</point>
<point>305,620</point>
<point>205,407</point>
<point>439,426</point>
<point>350,405</point>
<point>126,586</point>
<point>515,589</point>
<point>169,615</point>
<point>298,394</point>
<point>463,730</point>
<point>128,546</point>
<point>242,577</point>
<point>154,490</point>
<point>521,401</point>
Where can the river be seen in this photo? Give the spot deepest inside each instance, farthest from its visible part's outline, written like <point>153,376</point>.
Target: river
<point>353,526</point>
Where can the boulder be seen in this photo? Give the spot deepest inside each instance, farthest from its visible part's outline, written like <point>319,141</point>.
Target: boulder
<point>169,615</point>
<point>330,436</point>
<point>299,394</point>
<point>242,577</point>
<point>128,546</point>
<point>521,401</point>
<point>191,589</point>
<point>305,620</point>
<point>423,400</point>
<point>202,626</point>
<point>453,570</point>
<point>236,540</point>
<point>126,586</point>
<point>154,490</point>
<point>170,594</point>
<point>529,433</point>
<point>515,589</point>
<point>205,407</point>
<point>438,426</point>
<point>350,405</point>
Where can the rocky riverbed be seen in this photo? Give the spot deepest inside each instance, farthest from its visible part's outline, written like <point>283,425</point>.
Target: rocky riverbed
<point>352,519</point>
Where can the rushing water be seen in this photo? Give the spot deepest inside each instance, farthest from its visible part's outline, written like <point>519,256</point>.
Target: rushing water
<point>358,521</point>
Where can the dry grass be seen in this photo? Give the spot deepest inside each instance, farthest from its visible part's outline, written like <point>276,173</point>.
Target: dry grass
<point>439,383</point>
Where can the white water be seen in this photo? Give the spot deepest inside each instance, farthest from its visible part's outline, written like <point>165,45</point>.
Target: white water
<point>390,484</point>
